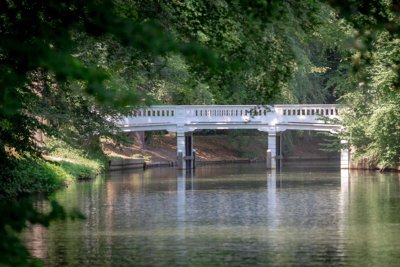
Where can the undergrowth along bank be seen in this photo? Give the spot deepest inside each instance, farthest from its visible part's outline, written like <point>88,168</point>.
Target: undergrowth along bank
<point>60,165</point>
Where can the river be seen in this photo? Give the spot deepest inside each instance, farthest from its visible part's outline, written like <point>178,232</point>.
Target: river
<point>309,214</point>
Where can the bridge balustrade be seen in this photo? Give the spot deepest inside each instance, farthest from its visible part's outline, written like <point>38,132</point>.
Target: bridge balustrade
<point>307,110</point>
<point>154,112</point>
<point>236,111</point>
<point>225,111</point>
<point>239,114</point>
<point>202,111</point>
<point>173,114</point>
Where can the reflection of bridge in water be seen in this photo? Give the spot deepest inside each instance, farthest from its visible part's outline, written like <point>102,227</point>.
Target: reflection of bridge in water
<point>275,182</point>
<point>184,120</point>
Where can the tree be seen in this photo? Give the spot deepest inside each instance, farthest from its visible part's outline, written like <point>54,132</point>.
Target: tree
<point>41,37</point>
<point>371,91</point>
<point>47,86</point>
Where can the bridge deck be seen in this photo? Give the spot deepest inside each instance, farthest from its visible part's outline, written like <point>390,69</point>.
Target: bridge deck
<point>264,118</point>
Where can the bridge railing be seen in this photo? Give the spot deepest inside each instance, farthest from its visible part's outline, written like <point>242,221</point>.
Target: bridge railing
<point>228,113</point>
<point>329,110</point>
<point>223,112</point>
<point>154,114</point>
<point>154,111</point>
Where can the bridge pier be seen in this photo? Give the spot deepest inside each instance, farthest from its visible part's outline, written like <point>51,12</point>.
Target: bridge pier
<point>184,149</point>
<point>274,150</point>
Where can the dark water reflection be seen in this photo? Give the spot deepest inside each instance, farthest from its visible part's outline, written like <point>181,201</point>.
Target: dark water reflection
<point>310,214</point>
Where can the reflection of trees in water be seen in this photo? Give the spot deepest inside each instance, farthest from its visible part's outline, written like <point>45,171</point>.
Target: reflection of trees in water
<point>37,242</point>
<point>373,211</point>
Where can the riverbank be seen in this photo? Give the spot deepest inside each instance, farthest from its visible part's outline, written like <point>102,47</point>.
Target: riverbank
<point>162,148</point>
<point>367,164</point>
<point>60,166</point>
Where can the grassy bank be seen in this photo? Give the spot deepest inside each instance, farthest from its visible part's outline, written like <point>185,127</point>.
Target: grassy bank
<point>60,165</point>
<point>76,163</point>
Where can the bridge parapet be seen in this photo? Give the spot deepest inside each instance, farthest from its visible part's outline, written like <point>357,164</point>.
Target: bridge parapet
<point>169,117</point>
<point>200,111</point>
<point>308,110</point>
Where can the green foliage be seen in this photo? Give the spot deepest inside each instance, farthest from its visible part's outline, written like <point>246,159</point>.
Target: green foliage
<point>27,176</point>
<point>77,163</point>
<point>371,91</point>
<point>32,175</point>
<point>384,132</point>
<point>374,132</point>
<point>265,58</point>
<point>49,77</point>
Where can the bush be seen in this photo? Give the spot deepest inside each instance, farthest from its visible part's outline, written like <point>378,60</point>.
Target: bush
<point>32,176</point>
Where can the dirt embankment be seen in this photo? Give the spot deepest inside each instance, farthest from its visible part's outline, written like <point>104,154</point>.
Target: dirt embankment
<point>162,148</point>
<point>210,147</point>
<point>307,146</point>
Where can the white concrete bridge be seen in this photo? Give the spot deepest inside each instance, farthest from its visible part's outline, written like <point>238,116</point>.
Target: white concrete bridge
<point>184,119</point>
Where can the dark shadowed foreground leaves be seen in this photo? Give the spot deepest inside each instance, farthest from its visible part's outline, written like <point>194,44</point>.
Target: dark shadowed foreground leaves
<point>16,215</point>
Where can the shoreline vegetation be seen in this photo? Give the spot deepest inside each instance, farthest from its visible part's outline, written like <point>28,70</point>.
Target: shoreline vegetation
<point>60,165</point>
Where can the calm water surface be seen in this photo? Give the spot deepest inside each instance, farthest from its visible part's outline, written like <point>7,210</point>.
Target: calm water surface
<point>309,214</point>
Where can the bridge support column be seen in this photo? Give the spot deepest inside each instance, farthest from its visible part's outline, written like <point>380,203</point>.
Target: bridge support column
<point>180,150</point>
<point>271,150</point>
<point>189,158</point>
<point>274,152</point>
<point>344,155</point>
<point>184,149</point>
<point>279,156</point>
